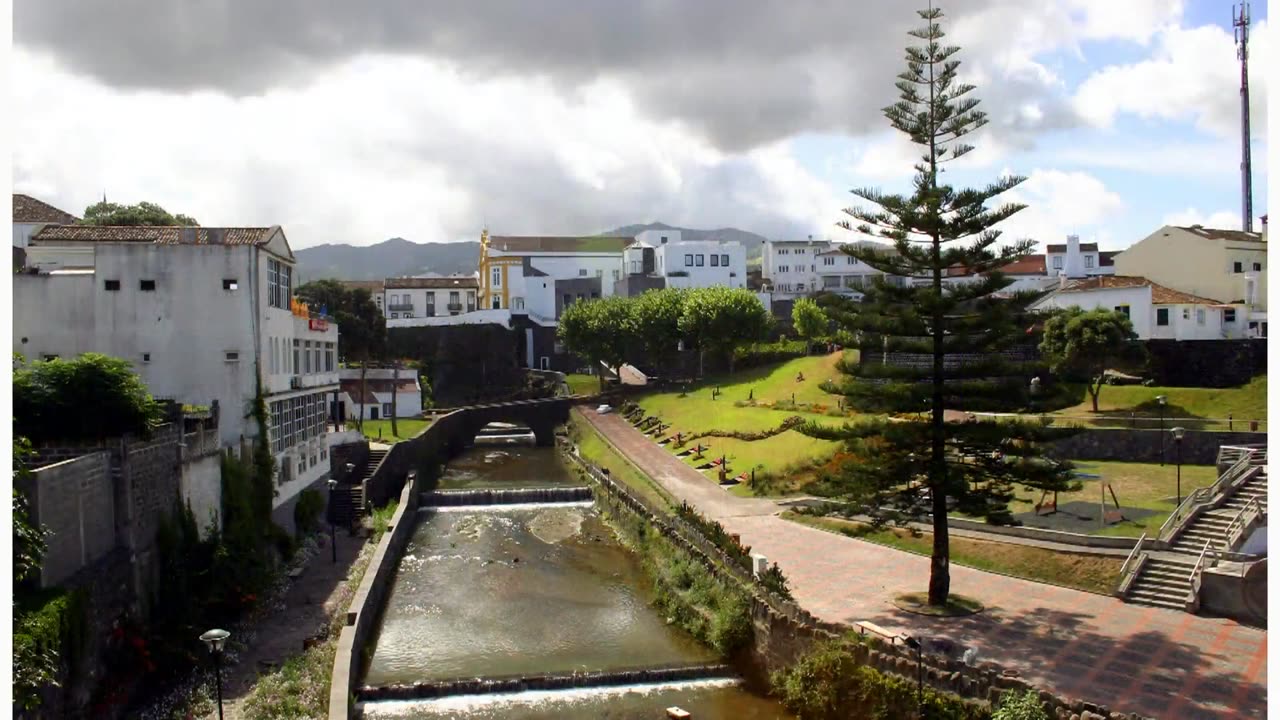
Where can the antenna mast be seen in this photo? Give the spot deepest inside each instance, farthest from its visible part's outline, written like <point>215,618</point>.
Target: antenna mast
<point>1240,19</point>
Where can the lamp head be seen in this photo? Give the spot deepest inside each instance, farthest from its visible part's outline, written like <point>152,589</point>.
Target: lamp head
<point>1162,399</point>
<point>1178,433</point>
<point>333,484</point>
<point>911,642</point>
<point>215,639</point>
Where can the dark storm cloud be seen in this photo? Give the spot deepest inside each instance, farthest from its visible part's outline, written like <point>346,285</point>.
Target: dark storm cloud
<point>741,73</point>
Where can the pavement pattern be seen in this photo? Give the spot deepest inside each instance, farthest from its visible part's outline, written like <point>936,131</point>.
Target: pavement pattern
<point>1131,658</point>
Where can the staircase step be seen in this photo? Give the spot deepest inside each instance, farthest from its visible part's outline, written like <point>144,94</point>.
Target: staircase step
<point>1150,596</point>
<point>1156,602</point>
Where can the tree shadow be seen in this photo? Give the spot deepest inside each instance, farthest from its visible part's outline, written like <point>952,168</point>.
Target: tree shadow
<point>1200,674</point>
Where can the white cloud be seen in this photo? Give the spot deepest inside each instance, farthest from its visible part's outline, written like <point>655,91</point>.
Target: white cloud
<point>1060,204</point>
<point>1193,74</point>
<point>1221,220</point>
<point>380,147</point>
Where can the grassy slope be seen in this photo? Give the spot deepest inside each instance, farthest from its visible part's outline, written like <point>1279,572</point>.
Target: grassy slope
<point>1247,402</point>
<point>1084,572</point>
<point>595,449</point>
<point>408,427</point>
<point>582,384</point>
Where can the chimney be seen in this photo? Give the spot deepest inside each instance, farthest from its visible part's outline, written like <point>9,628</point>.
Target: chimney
<point>1074,263</point>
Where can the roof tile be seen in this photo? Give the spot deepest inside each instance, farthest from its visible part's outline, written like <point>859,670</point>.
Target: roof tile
<point>1160,295</point>
<point>27,209</point>
<point>156,234</point>
<point>444,283</point>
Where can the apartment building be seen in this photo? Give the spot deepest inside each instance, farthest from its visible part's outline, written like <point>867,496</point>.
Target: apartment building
<point>206,315</point>
<point>791,266</point>
<point>680,264</point>
<point>541,275</point>
<point>428,297</point>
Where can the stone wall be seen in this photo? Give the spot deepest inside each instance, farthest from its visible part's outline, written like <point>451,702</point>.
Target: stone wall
<point>1199,447</point>
<point>1206,363</point>
<point>72,499</point>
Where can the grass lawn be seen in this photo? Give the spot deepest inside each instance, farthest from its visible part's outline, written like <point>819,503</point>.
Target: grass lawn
<point>582,384</point>
<point>1116,402</point>
<point>788,453</point>
<point>380,430</point>
<point>597,450</point>
<point>1094,573</point>
<point>1138,486</point>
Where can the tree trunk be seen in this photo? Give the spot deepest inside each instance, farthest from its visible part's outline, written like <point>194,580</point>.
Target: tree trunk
<point>395,388</point>
<point>1094,391</point>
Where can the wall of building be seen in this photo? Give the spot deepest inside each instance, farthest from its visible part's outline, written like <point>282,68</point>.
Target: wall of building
<point>1137,298</point>
<point>22,233</point>
<point>1184,261</point>
<point>577,289</point>
<point>73,500</point>
<point>683,258</point>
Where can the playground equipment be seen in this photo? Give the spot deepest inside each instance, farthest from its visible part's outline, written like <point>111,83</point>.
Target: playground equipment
<point>1107,516</point>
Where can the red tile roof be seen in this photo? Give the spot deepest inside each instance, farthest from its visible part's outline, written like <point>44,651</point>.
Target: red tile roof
<point>371,386</point>
<point>157,234</point>
<point>27,209</point>
<point>444,283</point>
<point>1160,295</point>
<point>1029,265</point>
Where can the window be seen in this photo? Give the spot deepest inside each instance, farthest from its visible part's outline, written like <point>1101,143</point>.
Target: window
<point>567,301</point>
<point>146,357</point>
<point>1057,263</point>
<point>497,303</point>
<point>828,261</point>
<point>581,297</point>
<point>147,285</point>
<point>408,315</point>
<point>1200,316</point>
<point>1162,316</point>
<point>497,277</point>
<point>386,409</point>
<point>699,260</point>
<point>306,357</point>
<point>1238,267</point>
<point>582,272</point>
<point>800,251</point>
<point>297,361</point>
<point>431,304</point>
<point>618,274</point>
<point>850,260</point>
<point>1186,313</point>
<point>1123,310</point>
<point>395,316</point>
<point>1228,315</point>
<point>784,269</point>
<point>1257,267</point>
<point>230,284</point>
<point>599,273</point>
<point>1088,261</point>
<point>111,285</point>
<point>715,261</point>
<point>688,261</point>
<point>517,303</point>
<point>279,284</point>
<point>232,356</point>
<point>329,357</point>
<point>724,261</point>
<point>784,251</point>
<point>595,295</point>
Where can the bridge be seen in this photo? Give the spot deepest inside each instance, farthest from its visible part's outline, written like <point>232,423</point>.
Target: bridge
<point>540,415</point>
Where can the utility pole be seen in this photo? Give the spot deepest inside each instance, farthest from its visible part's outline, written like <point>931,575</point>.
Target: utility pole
<point>1240,19</point>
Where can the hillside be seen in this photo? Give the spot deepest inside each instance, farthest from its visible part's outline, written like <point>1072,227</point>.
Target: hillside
<point>396,257</point>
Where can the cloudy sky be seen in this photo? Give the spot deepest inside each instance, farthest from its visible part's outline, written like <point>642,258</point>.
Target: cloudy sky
<point>353,122</point>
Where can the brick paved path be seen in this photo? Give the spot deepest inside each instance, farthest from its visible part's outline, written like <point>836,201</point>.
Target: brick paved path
<point>1157,662</point>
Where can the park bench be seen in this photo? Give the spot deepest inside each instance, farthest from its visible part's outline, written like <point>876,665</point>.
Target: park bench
<point>866,626</point>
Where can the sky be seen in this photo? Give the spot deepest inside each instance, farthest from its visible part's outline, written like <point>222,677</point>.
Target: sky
<point>356,122</point>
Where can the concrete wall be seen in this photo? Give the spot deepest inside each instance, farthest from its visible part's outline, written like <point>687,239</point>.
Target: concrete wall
<point>73,500</point>
<point>1207,363</point>
<point>1236,590</point>
<point>201,488</point>
<point>1199,447</point>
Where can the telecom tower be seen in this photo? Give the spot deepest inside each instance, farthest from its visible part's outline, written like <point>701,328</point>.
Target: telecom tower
<point>1240,19</point>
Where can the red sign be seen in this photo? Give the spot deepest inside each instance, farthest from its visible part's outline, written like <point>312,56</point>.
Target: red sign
<point>318,324</point>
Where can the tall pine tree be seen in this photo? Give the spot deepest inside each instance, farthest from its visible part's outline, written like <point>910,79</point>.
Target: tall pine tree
<point>927,345</point>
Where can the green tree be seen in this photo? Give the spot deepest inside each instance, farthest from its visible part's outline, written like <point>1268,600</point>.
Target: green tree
<point>1021,706</point>
<point>722,319</point>
<point>90,397</point>
<point>656,320</point>
<point>1087,342</point>
<point>599,331</point>
<point>144,213</point>
<point>362,328</point>
<point>914,468</point>
<point>29,539</point>
<point>810,321</point>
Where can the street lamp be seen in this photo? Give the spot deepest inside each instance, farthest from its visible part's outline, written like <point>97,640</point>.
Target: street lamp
<point>214,640</point>
<point>914,644</point>
<point>1177,441</point>
<point>333,534</point>
<point>1162,399</point>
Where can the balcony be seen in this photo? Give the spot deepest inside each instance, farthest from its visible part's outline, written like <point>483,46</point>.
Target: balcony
<point>454,307</point>
<point>400,307</point>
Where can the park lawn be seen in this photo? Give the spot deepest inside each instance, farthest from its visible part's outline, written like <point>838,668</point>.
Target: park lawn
<point>580,384</point>
<point>1244,403</point>
<point>1092,573</point>
<point>1148,486</point>
<point>597,450</point>
<point>380,430</point>
<point>786,453</point>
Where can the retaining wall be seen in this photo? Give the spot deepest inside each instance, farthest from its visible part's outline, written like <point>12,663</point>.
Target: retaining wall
<point>1199,447</point>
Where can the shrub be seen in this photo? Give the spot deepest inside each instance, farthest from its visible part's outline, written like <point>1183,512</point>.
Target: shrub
<point>90,397</point>
<point>48,633</point>
<point>1021,706</point>
<point>306,513</point>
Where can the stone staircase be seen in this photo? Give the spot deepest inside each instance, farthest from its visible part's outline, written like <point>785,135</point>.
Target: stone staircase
<point>348,498</point>
<point>1209,526</point>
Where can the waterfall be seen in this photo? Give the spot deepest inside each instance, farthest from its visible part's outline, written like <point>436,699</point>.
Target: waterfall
<point>518,496</point>
<point>560,681</point>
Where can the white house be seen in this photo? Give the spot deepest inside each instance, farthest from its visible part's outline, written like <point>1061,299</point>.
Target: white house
<point>1157,312</point>
<point>541,275</point>
<point>702,263</point>
<point>29,217</point>
<point>1076,260</point>
<point>410,297</point>
<point>379,386</point>
<point>791,266</point>
<point>203,314</point>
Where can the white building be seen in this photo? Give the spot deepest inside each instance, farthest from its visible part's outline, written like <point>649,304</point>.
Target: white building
<point>29,217</point>
<point>380,384</point>
<point>790,267</point>
<point>1077,260</point>
<point>540,276</point>
<point>1157,312</point>
<point>202,313</point>
<point>414,297</point>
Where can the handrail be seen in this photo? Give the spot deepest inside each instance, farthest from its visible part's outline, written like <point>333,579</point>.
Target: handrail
<point>1242,520</point>
<point>1201,496</point>
<point>1132,554</point>
<point>1233,452</point>
<point>1193,593</point>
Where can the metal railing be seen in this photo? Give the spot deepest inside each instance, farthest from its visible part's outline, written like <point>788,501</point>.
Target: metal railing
<point>1193,593</point>
<point>1230,454</point>
<point>1127,573</point>
<point>1201,497</point>
<point>1241,523</point>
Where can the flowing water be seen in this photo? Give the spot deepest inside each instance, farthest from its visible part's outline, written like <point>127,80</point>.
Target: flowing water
<point>532,590</point>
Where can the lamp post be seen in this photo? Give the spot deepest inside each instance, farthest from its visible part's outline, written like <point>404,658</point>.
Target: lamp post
<point>333,534</point>
<point>914,644</point>
<point>1177,441</point>
<point>214,640</point>
<point>1162,399</point>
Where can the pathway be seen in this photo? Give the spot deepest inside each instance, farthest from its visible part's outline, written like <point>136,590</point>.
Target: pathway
<point>1161,663</point>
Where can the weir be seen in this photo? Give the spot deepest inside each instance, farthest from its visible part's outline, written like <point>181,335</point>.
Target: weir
<point>518,496</point>
<point>555,681</point>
